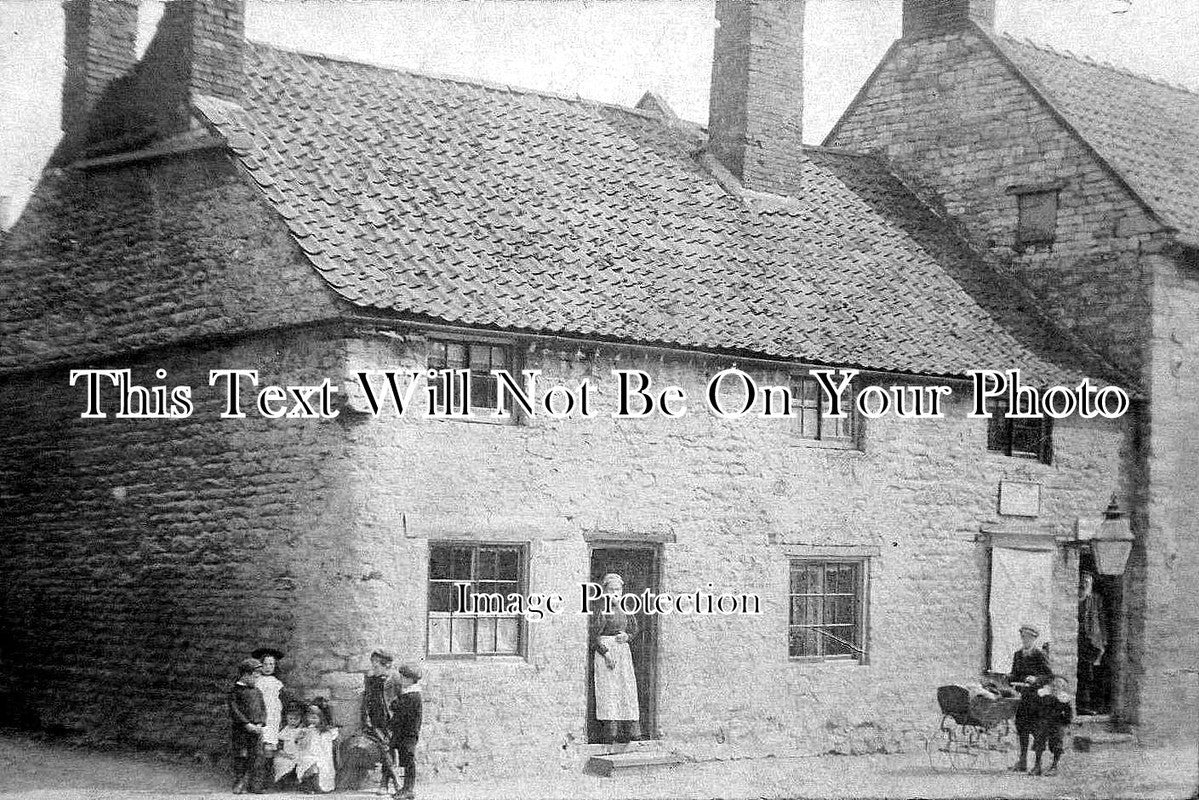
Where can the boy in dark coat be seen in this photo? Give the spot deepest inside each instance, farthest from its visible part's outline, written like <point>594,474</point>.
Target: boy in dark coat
<point>247,717</point>
<point>1053,714</point>
<point>407,711</point>
<point>1030,667</point>
<point>377,698</point>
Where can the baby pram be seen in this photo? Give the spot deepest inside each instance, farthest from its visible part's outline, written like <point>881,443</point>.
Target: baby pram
<point>975,725</point>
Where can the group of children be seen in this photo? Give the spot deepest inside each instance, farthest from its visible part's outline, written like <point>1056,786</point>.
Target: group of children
<point>280,743</point>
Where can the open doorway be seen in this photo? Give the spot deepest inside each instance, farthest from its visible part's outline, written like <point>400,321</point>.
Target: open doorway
<point>638,566</point>
<point>1099,598</point>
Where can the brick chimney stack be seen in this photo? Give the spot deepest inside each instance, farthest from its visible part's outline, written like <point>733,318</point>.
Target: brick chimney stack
<point>755,112</point>
<point>101,42</point>
<point>199,48</point>
<point>934,17</point>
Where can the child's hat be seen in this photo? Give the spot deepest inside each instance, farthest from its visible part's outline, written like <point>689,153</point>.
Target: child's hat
<point>1031,629</point>
<point>383,655</point>
<point>409,671</point>
<point>263,652</point>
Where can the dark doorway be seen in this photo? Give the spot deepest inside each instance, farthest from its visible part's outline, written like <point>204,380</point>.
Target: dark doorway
<point>1097,638</point>
<point>638,566</point>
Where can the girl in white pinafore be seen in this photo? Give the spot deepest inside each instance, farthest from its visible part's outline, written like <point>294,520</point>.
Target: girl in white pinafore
<point>314,751</point>
<point>616,705</point>
<point>272,696</point>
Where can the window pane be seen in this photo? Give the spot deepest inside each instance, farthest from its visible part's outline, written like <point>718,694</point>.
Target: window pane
<point>480,358</point>
<point>997,431</point>
<point>839,641</point>
<point>816,579</point>
<point>442,597</point>
<point>810,612</point>
<point>509,565</point>
<point>841,611</point>
<point>439,634</point>
<point>1026,436</point>
<point>803,579</point>
<point>804,642</point>
<point>508,635</point>
<point>486,559</point>
<point>462,563</point>
<point>482,390</point>
<point>805,394</point>
<point>799,607</point>
<point>837,428</point>
<point>845,581</point>
<point>436,355</point>
<point>440,559</point>
<point>455,355</point>
<point>809,423</point>
<point>463,634</point>
<point>487,635</point>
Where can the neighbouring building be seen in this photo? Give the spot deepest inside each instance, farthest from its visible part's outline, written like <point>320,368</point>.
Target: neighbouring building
<point>223,204</point>
<point>1081,181</point>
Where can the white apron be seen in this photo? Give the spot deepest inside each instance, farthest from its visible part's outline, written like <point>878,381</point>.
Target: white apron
<point>615,689</point>
<point>288,753</point>
<point>270,686</point>
<point>315,749</point>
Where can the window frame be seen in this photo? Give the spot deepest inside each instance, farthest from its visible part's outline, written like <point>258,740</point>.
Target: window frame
<point>1002,439</point>
<point>522,587</point>
<point>861,605</point>
<point>1028,234</point>
<point>801,409</point>
<point>483,413</point>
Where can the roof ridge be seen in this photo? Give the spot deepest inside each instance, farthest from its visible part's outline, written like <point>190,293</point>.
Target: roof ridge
<point>450,78</point>
<point>1083,58</point>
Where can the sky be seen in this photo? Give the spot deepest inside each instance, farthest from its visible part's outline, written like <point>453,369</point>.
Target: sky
<point>609,50</point>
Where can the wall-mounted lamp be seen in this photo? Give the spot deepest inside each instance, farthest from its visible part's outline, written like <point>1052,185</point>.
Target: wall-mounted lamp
<point>1110,540</point>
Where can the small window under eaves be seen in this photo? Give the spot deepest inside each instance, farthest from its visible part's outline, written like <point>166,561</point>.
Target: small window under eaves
<point>1037,218</point>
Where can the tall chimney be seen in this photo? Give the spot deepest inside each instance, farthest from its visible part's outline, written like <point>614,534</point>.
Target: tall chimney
<point>935,17</point>
<point>755,111</point>
<point>199,48</point>
<point>101,41</point>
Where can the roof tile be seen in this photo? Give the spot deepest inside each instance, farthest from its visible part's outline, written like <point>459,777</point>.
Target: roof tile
<point>515,210</point>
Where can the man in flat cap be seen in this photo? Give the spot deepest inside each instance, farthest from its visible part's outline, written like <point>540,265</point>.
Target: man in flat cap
<point>1030,670</point>
<point>247,717</point>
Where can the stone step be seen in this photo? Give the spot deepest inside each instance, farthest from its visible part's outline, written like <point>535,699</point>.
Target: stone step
<point>638,760</point>
<point>1090,740</point>
<point>1089,720</point>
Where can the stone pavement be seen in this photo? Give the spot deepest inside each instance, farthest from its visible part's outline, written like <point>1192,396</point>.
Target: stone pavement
<point>32,769</point>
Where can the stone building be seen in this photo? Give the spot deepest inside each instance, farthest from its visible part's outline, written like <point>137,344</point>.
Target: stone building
<point>1081,182</point>
<point>226,205</point>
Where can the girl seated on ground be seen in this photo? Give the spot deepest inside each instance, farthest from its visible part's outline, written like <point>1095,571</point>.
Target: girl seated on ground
<point>287,753</point>
<point>314,749</point>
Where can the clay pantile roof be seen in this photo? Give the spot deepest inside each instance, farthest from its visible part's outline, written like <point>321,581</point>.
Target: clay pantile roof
<point>1146,130</point>
<point>490,206</point>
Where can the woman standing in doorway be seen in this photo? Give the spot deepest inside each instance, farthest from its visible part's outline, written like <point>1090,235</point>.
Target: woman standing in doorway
<point>616,703</point>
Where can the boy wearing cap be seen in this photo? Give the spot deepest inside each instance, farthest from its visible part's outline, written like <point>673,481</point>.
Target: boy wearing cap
<point>247,717</point>
<point>406,717</point>
<point>377,696</point>
<point>1030,667</point>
